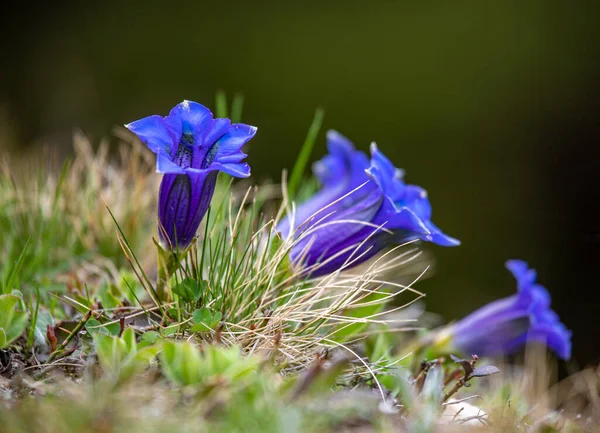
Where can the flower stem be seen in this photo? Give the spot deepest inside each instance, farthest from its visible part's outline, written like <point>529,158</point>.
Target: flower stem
<point>167,265</point>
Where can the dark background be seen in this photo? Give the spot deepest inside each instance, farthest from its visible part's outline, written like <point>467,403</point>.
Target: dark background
<point>492,106</point>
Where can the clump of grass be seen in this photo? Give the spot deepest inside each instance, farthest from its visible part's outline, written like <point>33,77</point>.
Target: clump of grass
<point>57,223</point>
<point>237,286</point>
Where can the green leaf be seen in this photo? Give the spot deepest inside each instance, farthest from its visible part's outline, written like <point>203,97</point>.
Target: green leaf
<point>128,338</point>
<point>216,319</point>
<point>106,349</point>
<point>113,328</point>
<point>189,290</point>
<point>205,320</point>
<point>110,296</point>
<point>150,336</point>
<point>200,327</point>
<point>13,320</point>
<point>202,315</point>
<point>346,331</point>
<point>433,387</point>
<point>44,319</point>
<point>94,327</point>
<point>120,357</point>
<point>181,363</point>
<point>147,354</point>
<point>378,347</point>
<point>170,330</point>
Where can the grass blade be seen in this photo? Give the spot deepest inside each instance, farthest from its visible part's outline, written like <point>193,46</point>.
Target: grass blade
<point>221,104</point>
<point>305,152</point>
<point>34,317</point>
<point>237,105</point>
<point>12,275</point>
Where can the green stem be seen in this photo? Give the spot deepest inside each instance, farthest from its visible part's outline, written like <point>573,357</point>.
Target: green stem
<point>167,265</point>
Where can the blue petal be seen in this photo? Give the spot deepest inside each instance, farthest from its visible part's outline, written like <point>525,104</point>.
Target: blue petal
<point>153,131</point>
<point>415,198</point>
<point>559,340</point>
<point>205,143</point>
<point>338,144</point>
<point>235,170</point>
<point>226,151</point>
<point>403,196</point>
<point>538,296</point>
<point>234,139</point>
<point>501,319</point>
<point>388,176</point>
<point>203,187</point>
<point>339,172</point>
<point>193,117</point>
<point>402,219</point>
<point>175,195</point>
<point>344,167</point>
<point>233,158</point>
<point>555,336</point>
<point>350,252</point>
<point>440,238</point>
<point>383,164</point>
<point>517,267</point>
<point>330,231</point>
<point>165,165</point>
<point>217,129</point>
<point>183,202</point>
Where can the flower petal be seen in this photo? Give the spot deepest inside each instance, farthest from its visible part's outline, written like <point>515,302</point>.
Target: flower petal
<point>328,231</point>
<point>194,117</point>
<point>507,324</point>
<point>235,170</point>
<point>439,238</point>
<point>386,174</point>
<point>165,165</point>
<point>234,139</point>
<point>233,158</point>
<point>153,132</point>
<point>205,143</point>
<point>174,202</point>
<point>212,134</point>
<point>203,188</point>
<point>339,172</point>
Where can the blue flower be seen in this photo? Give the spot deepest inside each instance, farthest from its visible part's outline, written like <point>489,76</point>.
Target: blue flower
<point>363,207</point>
<point>191,148</point>
<point>505,325</point>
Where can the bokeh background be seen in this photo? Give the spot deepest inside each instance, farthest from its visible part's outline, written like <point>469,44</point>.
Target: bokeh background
<point>492,106</point>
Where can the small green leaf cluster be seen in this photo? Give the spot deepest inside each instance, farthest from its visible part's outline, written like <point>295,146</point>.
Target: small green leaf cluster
<point>122,357</point>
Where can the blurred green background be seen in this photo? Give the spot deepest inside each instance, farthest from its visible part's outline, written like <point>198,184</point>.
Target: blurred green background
<point>491,106</point>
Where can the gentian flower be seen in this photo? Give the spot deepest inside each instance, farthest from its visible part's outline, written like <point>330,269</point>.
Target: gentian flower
<point>363,207</point>
<point>505,325</point>
<point>191,148</point>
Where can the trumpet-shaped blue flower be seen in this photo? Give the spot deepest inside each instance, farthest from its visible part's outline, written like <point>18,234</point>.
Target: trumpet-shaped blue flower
<point>191,148</point>
<point>505,325</point>
<point>363,207</point>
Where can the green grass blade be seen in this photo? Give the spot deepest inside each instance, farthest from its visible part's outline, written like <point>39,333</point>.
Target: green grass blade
<point>237,106</point>
<point>221,104</point>
<point>13,273</point>
<point>34,317</point>
<point>305,152</point>
<point>141,269</point>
